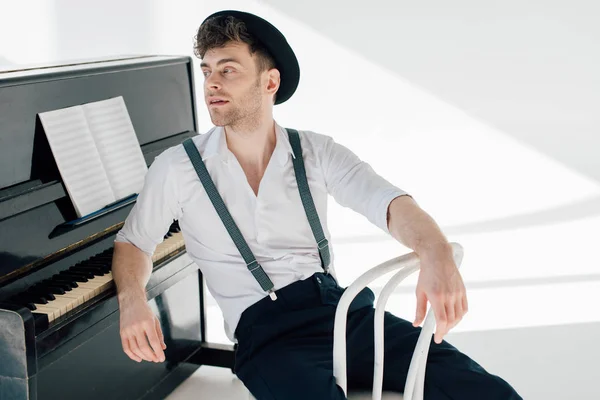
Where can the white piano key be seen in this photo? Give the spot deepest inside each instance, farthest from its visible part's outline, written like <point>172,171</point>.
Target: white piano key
<point>85,291</point>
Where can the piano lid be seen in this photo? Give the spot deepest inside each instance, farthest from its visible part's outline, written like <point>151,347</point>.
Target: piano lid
<point>159,94</point>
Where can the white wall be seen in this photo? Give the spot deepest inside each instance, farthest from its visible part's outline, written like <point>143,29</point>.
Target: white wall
<point>487,112</point>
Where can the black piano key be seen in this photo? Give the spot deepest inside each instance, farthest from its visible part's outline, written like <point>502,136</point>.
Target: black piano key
<point>107,263</point>
<point>94,271</point>
<point>99,263</point>
<point>81,270</point>
<point>55,289</point>
<point>42,292</point>
<point>98,270</point>
<point>74,276</point>
<point>107,252</point>
<point>67,281</point>
<point>91,267</point>
<point>51,286</point>
<point>22,302</point>
<point>105,269</point>
<point>23,298</point>
<point>103,266</point>
<point>87,275</point>
<point>26,304</point>
<point>34,298</point>
<point>36,289</point>
<point>104,256</point>
<point>64,286</point>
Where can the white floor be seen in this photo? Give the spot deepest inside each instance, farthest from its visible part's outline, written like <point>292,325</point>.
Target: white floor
<point>210,383</point>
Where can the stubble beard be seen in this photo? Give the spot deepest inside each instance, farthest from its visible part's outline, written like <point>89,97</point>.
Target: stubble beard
<point>245,116</point>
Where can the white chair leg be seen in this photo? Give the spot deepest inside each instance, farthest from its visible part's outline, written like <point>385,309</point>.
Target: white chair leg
<point>415,379</point>
<point>408,264</point>
<point>379,328</point>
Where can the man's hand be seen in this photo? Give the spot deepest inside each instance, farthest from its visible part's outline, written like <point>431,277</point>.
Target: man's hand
<point>440,283</point>
<point>141,336</point>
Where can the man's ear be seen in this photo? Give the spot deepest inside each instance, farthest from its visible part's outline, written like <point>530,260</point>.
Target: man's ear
<point>273,80</point>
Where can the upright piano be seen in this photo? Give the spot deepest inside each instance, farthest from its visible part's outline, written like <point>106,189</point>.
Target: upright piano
<point>59,317</point>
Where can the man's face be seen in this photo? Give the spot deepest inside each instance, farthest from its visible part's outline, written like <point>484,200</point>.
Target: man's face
<point>232,85</point>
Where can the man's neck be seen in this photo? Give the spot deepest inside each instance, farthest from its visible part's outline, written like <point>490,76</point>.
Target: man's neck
<point>254,146</point>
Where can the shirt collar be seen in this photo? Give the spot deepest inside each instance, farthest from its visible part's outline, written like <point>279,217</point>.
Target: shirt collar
<point>283,147</point>
<point>217,145</point>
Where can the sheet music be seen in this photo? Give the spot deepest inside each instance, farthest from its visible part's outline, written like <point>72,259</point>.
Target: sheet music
<point>78,159</point>
<point>117,144</point>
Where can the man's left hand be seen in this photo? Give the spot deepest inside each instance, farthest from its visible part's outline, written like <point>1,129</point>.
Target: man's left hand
<point>440,283</point>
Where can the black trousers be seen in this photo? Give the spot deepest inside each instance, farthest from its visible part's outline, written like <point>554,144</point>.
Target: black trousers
<point>285,350</point>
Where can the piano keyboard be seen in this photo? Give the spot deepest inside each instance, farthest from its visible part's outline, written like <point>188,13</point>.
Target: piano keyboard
<point>56,296</point>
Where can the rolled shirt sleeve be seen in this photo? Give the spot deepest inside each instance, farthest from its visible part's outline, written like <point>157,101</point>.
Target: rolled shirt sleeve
<point>353,183</point>
<point>155,209</point>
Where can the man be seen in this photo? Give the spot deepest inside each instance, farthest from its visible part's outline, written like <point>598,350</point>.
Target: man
<point>251,198</point>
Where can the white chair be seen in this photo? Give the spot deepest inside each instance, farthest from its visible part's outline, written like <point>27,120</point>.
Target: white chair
<point>413,389</point>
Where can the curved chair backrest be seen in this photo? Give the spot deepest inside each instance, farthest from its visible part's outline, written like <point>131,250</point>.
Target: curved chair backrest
<point>415,381</point>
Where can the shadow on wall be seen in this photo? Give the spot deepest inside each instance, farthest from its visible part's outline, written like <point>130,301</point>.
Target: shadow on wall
<point>564,213</point>
<point>527,69</point>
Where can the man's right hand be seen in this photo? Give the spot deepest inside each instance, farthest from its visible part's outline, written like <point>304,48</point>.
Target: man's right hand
<point>141,336</point>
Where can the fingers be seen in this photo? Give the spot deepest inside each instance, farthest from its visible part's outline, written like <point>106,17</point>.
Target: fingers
<point>441,319</point>
<point>144,342</point>
<point>128,350</point>
<point>161,337</point>
<point>135,348</point>
<point>156,351</point>
<point>421,308</point>
<point>451,314</point>
<point>449,311</point>
<point>458,313</point>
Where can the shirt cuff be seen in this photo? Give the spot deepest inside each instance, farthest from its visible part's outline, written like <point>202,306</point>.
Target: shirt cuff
<point>381,219</point>
<point>122,238</point>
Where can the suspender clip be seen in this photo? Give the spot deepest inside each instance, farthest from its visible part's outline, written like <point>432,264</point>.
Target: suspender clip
<point>253,268</point>
<point>322,244</point>
<point>272,295</point>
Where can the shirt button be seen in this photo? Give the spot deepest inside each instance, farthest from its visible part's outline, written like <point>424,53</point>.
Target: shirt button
<point>318,279</point>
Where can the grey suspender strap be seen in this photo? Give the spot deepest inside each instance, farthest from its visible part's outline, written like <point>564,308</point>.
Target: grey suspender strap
<point>307,200</point>
<point>253,265</point>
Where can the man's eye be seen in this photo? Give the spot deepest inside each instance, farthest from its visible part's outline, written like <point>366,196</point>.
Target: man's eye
<point>205,73</point>
<point>227,70</point>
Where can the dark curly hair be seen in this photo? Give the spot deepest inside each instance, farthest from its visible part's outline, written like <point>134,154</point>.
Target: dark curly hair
<point>218,31</point>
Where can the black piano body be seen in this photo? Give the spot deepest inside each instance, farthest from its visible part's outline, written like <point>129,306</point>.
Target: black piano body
<point>77,353</point>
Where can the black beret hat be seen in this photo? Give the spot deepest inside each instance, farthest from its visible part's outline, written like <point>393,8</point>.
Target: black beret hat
<point>276,44</point>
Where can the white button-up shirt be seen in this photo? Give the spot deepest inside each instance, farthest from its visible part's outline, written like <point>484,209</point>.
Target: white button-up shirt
<point>273,222</point>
